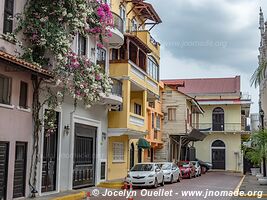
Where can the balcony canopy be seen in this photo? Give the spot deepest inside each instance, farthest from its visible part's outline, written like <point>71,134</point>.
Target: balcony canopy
<point>143,143</point>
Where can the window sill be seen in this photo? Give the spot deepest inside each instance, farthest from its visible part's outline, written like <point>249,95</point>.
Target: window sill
<point>24,109</point>
<point>7,106</point>
<point>118,161</point>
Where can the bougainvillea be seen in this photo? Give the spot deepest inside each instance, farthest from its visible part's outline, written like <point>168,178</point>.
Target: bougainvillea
<point>48,29</point>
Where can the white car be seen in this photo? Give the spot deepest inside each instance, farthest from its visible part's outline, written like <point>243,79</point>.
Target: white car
<point>171,172</point>
<point>145,174</point>
<point>197,167</point>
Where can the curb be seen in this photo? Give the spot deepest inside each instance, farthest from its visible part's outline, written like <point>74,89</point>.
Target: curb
<point>115,185</point>
<point>76,196</point>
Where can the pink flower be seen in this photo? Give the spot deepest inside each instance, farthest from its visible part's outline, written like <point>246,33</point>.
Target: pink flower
<point>99,45</point>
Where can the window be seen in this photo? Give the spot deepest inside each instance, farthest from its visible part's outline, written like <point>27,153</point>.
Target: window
<point>137,109</point>
<point>81,45</point>
<point>115,54</point>
<point>5,89</point>
<point>171,114</point>
<point>158,122</point>
<point>23,94</point>
<point>8,13</point>
<point>101,58</point>
<point>153,68</point>
<point>134,25</point>
<point>123,16</point>
<point>118,151</point>
<point>153,120</point>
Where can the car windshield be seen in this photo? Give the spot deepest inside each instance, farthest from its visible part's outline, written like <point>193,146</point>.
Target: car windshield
<point>166,167</point>
<point>143,167</point>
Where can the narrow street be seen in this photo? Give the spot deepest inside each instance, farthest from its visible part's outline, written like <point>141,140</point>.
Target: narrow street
<point>212,181</point>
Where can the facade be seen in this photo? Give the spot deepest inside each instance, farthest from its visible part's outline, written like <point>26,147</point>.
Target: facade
<point>16,96</point>
<point>181,117</point>
<point>154,128</point>
<point>136,65</point>
<point>75,156</point>
<point>224,120</point>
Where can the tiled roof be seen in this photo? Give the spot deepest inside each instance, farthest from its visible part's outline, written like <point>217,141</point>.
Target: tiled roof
<point>207,85</point>
<point>22,63</point>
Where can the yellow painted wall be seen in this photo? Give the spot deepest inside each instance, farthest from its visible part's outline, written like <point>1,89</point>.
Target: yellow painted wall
<point>136,97</point>
<point>118,170</point>
<point>119,69</point>
<point>232,114</point>
<point>233,144</point>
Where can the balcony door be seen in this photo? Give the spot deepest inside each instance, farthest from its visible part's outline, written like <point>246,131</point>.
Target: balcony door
<point>218,119</point>
<point>4,147</point>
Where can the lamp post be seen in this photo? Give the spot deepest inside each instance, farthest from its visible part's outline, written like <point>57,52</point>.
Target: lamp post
<point>262,128</point>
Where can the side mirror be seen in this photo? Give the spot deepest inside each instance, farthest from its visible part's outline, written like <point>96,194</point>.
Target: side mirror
<point>157,170</point>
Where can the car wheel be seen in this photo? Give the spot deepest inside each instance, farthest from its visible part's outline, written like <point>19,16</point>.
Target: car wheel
<point>156,183</point>
<point>200,174</point>
<point>162,183</point>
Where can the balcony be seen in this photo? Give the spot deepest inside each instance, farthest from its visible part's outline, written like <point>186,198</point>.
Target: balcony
<point>117,38</point>
<point>115,97</point>
<point>226,127</point>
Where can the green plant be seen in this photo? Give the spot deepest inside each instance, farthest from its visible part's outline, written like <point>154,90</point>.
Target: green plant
<point>259,74</point>
<point>258,151</point>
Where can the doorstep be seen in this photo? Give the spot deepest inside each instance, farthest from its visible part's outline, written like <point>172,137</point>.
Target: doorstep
<point>113,184</point>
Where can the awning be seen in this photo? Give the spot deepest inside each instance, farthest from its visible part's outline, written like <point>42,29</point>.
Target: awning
<point>143,143</point>
<point>194,135</point>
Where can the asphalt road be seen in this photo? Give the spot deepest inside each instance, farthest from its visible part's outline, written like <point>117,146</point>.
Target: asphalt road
<point>213,185</point>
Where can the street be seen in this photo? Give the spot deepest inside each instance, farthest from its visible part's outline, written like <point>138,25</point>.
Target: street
<point>207,186</point>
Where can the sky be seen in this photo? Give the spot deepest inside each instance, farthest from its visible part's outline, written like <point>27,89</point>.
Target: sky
<point>209,38</point>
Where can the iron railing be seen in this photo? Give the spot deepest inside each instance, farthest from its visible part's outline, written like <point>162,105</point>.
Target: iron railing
<point>219,127</point>
<point>116,87</point>
<point>118,22</point>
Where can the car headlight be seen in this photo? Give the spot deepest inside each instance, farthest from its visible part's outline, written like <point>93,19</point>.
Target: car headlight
<point>151,175</point>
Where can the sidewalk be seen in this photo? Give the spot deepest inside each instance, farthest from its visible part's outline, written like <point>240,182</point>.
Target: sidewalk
<point>250,183</point>
<point>72,194</point>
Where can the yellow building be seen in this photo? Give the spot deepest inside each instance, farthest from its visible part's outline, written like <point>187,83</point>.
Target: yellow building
<point>136,66</point>
<point>154,128</point>
<point>224,120</point>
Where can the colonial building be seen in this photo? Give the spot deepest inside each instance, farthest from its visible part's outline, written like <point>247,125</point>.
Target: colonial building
<point>16,97</point>
<point>181,117</point>
<point>136,65</point>
<point>75,156</point>
<point>224,120</point>
<point>154,128</point>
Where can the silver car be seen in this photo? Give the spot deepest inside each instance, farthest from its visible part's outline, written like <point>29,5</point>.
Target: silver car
<point>171,172</point>
<point>145,174</point>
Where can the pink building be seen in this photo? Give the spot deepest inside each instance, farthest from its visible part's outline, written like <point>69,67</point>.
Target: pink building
<point>16,126</point>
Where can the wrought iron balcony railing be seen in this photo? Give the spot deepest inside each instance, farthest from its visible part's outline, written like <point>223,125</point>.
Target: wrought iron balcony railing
<point>118,22</point>
<point>116,87</point>
<point>224,127</point>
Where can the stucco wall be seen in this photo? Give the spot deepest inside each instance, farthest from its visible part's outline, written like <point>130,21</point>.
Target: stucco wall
<point>16,124</point>
<point>233,144</point>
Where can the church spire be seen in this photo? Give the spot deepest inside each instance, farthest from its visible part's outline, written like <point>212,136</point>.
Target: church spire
<point>261,22</point>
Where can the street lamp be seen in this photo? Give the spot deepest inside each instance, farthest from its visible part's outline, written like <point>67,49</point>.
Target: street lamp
<point>262,128</point>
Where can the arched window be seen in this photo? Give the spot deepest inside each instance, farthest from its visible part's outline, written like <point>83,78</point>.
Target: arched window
<point>218,143</point>
<point>218,119</point>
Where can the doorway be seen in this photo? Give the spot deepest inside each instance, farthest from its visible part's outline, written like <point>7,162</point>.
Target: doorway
<point>4,149</point>
<point>132,156</point>
<point>218,119</point>
<point>84,156</point>
<point>218,154</point>
<point>49,166</point>
<point>140,155</point>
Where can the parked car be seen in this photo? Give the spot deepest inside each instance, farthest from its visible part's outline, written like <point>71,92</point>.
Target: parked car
<point>145,174</point>
<point>204,165</point>
<point>187,169</point>
<point>171,172</point>
<point>197,167</point>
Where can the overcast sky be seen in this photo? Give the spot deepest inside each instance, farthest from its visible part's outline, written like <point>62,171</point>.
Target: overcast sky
<point>209,38</point>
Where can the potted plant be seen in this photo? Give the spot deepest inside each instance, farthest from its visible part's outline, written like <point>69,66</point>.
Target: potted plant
<point>258,152</point>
